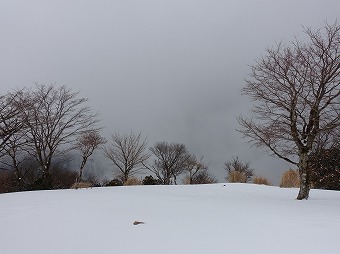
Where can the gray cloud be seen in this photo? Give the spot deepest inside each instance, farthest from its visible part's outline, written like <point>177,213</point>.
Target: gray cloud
<point>170,69</point>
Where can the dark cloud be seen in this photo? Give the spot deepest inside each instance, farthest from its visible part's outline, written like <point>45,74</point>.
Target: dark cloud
<point>171,69</point>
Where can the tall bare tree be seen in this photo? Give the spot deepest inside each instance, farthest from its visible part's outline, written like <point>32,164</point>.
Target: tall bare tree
<point>171,161</point>
<point>86,144</point>
<point>55,118</point>
<point>127,154</point>
<point>296,92</point>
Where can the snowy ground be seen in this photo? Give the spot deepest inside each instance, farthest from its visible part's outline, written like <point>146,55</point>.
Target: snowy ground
<point>231,218</point>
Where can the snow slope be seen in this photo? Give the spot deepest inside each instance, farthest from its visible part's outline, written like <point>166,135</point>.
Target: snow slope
<point>218,218</point>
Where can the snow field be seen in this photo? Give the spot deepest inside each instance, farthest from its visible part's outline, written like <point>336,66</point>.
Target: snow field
<point>217,218</point>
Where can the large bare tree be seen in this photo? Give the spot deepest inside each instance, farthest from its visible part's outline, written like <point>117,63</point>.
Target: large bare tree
<point>127,154</point>
<point>296,94</point>
<point>55,118</point>
<point>171,161</point>
<point>86,144</point>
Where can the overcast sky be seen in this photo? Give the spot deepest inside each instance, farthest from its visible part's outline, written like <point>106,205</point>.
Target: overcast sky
<point>171,69</point>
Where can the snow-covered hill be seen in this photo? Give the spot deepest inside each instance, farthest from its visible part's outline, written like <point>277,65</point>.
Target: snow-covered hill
<point>218,218</point>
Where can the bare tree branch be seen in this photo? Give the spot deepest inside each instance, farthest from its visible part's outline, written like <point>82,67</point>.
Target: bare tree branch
<point>11,122</point>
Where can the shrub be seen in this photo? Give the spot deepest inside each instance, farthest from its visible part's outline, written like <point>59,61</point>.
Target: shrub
<point>59,177</point>
<point>43,183</point>
<point>115,182</point>
<point>149,180</point>
<point>63,178</point>
<point>19,178</point>
<point>261,180</point>
<point>201,177</point>
<point>7,181</point>
<point>81,185</point>
<point>325,170</point>
<point>236,177</point>
<point>91,178</point>
<point>133,181</point>
<point>290,179</point>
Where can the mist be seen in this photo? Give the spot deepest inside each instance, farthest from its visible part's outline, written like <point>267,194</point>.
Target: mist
<point>171,70</point>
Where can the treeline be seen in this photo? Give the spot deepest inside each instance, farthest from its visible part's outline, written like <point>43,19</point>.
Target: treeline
<point>42,128</point>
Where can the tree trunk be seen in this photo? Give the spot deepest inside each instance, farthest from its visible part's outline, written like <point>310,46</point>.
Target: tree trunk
<point>46,181</point>
<point>175,180</point>
<point>125,177</point>
<point>18,179</point>
<point>79,178</point>
<point>167,180</point>
<point>304,177</point>
<point>190,178</point>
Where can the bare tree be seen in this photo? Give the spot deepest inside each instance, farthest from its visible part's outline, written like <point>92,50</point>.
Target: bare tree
<point>194,168</point>
<point>171,161</point>
<point>198,172</point>
<point>86,143</point>
<point>237,166</point>
<point>127,153</point>
<point>296,90</point>
<point>54,120</point>
<point>204,176</point>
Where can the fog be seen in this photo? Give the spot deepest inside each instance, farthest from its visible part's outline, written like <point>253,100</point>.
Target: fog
<point>170,69</point>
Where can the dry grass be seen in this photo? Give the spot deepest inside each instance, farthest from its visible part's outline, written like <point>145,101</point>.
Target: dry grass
<point>133,181</point>
<point>261,180</point>
<point>290,179</point>
<point>81,185</point>
<point>236,177</point>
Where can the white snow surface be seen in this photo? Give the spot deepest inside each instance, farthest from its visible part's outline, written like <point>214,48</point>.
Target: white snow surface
<point>216,218</point>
